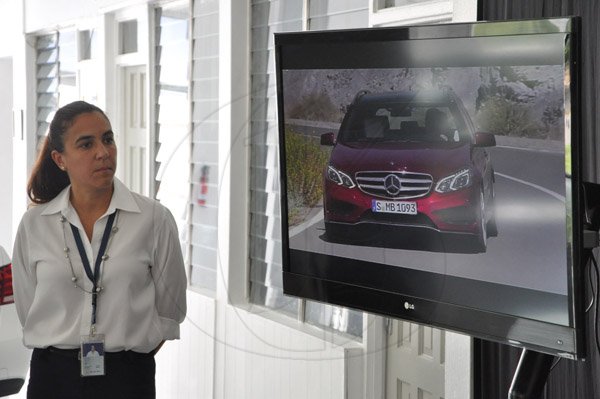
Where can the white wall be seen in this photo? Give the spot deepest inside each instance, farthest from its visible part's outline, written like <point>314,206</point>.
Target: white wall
<point>263,359</point>
<point>6,152</point>
<point>44,14</point>
<point>185,368</point>
<point>15,152</point>
<point>10,27</point>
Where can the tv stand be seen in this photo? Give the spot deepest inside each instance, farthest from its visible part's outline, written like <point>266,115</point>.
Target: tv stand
<point>531,375</point>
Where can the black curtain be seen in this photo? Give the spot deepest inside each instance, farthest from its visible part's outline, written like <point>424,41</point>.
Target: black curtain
<point>494,364</point>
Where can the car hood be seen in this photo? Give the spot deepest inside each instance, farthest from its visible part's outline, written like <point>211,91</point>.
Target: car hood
<point>436,159</point>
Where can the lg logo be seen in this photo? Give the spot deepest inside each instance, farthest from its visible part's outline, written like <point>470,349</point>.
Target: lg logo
<point>409,306</point>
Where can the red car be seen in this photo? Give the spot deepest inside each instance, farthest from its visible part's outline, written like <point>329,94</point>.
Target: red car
<point>410,159</point>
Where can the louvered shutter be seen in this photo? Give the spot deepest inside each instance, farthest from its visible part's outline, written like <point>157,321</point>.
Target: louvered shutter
<point>205,125</point>
<point>47,82</point>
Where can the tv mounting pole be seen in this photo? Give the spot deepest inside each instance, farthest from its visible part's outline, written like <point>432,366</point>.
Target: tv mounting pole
<point>531,375</point>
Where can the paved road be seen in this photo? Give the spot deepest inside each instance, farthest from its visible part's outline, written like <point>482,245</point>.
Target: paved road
<point>529,250</point>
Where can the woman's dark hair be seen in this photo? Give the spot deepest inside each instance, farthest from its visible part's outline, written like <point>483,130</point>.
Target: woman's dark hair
<point>47,180</point>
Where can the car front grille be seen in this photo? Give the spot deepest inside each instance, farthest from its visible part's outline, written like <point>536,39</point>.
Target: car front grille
<point>394,185</point>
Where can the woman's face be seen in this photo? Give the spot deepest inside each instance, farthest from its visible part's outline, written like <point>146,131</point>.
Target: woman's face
<point>90,153</point>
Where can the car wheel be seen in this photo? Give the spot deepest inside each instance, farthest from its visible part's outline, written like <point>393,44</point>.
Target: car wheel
<point>492,227</point>
<point>482,234</point>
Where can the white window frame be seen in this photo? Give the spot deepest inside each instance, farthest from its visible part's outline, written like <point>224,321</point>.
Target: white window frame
<point>433,11</point>
<point>234,156</point>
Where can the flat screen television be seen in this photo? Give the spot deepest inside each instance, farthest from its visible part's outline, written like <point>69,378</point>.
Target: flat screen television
<point>432,173</point>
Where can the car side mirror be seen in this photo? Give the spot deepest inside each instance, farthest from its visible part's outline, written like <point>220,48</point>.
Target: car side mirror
<point>485,139</point>
<point>327,139</point>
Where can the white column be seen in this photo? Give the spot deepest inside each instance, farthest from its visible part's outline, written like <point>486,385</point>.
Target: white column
<point>234,99</point>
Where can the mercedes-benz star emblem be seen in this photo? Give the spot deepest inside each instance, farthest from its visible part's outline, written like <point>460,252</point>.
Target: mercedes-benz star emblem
<point>392,185</point>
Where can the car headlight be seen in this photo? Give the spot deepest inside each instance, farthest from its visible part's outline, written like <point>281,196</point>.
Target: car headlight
<point>339,177</point>
<point>455,182</point>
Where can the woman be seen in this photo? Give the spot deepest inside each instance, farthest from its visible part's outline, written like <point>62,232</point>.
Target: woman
<point>94,265</point>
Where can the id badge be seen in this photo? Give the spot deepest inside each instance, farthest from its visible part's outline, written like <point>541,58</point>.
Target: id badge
<point>92,355</point>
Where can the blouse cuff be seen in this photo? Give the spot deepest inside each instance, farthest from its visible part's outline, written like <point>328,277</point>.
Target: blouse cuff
<point>170,328</point>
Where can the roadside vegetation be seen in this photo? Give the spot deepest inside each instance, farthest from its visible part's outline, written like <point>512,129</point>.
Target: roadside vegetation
<point>305,162</point>
<point>506,105</point>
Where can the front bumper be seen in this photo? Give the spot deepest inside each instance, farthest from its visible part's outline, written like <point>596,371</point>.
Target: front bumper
<point>456,212</point>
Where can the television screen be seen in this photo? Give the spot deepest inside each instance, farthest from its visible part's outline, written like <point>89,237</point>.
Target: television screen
<point>431,173</point>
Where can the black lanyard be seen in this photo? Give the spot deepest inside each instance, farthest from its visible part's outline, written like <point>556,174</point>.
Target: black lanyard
<point>95,275</point>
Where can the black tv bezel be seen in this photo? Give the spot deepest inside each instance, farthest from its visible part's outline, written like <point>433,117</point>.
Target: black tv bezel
<point>309,281</point>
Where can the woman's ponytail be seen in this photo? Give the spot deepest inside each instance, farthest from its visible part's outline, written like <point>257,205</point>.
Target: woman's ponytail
<point>47,180</point>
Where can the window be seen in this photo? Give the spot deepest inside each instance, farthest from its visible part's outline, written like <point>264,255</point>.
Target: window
<point>85,44</point>
<point>397,3</point>
<point>337,14</point>
<point>89,69</point>
<point>404,12</point>
<point>66,71</point>
<point>266,286</point>
<point>173,109</point>
<point>128,37</point>
<point>67,67</point>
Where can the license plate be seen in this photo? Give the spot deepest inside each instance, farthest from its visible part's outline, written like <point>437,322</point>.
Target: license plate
<point>402,207</point>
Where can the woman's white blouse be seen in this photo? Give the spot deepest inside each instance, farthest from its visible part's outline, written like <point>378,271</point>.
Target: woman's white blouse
<point>143,281</point>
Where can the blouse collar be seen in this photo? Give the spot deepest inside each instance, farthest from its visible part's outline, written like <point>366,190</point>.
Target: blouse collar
<point>122,199</point>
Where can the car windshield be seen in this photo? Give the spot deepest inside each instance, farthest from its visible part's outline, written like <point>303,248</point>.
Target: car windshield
<point>404,122</point>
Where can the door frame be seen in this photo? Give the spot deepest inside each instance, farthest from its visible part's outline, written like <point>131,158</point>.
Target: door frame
<point>115,85</point>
